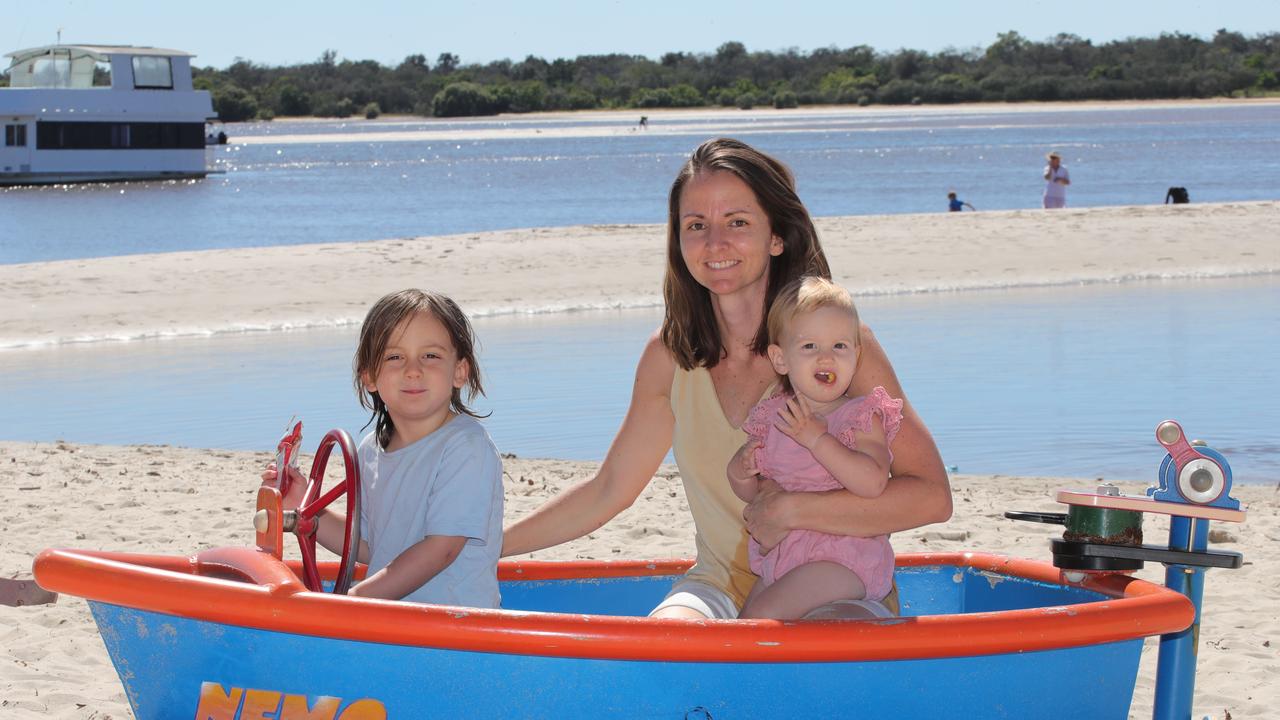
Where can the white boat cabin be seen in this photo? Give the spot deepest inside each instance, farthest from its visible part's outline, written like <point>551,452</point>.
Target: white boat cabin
<point>75,113</point>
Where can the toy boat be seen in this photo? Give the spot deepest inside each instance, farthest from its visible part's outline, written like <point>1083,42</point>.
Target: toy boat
<point>234,634</point>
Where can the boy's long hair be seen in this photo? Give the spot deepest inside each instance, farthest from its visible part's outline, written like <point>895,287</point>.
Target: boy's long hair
<point>379,324</point>
<point>689,327</point>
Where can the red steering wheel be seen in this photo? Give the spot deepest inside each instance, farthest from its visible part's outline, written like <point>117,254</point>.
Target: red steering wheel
<point>313,503</point>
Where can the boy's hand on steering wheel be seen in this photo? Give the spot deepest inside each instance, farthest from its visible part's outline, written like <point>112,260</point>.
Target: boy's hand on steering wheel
<point>292,496</point>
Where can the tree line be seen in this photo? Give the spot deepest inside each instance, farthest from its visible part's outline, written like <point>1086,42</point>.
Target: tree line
<point>1011,69</point>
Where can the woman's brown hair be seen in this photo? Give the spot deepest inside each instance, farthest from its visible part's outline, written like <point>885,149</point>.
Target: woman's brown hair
<point>689,327</point>
<point>381,321</point>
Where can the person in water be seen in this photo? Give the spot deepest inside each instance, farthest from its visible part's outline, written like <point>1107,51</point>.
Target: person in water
<point>1056,180</point>
<point>955,204</point>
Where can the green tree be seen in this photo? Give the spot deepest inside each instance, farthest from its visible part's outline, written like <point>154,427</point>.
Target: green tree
<point>1007,49</point>
<point>416,64</point>
<point>730,51</point>
<point>521,97</point>
<point>685,95</point>
<point>293,101</point>
<point>463,99</point>
<point>1062,67</point>
<point>572,98</point>
<point>234,104</point>
<point>843,85</point>
<point>335,107</point>
<point>446,63</point>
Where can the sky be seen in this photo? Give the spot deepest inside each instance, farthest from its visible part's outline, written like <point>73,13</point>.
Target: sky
<point>289,32</point>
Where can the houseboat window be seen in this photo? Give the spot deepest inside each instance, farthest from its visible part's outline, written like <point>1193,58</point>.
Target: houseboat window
<point>50,72</point>
<point>119,136</point>
<point>15,135</point>
<point>60,68</point>
<point>102,74</point>
<point>152,72</point>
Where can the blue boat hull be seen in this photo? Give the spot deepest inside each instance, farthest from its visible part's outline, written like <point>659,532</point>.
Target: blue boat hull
<point>182,667</point>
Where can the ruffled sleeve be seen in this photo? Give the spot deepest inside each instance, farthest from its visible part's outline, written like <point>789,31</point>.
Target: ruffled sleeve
<point>877,401</point>
<point>761,417</point>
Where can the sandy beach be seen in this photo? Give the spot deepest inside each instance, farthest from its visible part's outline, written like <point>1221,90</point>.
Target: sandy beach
<point>553,269</point>
<point>181,500</point>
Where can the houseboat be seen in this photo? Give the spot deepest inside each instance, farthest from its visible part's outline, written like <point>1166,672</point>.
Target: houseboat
<point>98,113</point>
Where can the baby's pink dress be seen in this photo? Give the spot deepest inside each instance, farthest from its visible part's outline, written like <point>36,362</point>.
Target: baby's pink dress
<point>796,470</point>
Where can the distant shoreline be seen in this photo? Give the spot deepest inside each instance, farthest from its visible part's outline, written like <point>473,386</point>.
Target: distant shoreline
<point>660,120</point>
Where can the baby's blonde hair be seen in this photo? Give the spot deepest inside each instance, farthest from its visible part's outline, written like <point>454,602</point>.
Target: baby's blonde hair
<point>804,295</point>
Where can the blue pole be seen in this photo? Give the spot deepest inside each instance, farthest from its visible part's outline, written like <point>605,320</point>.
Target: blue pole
<point>1176,668</point>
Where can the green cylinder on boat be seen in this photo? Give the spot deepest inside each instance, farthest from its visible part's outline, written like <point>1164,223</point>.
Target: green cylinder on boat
<point>1103,525</point>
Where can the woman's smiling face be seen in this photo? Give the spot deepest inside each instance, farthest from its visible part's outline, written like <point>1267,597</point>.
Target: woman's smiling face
<point>725,237</point>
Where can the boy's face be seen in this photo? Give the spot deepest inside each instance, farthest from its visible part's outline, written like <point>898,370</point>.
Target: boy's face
<point>420,370</point>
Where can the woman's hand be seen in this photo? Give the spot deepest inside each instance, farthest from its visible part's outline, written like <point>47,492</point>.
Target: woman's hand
<point>798,422</point>
<point>764,515</point>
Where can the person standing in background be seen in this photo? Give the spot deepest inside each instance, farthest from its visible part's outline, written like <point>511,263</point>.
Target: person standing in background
<point>1056,181</point>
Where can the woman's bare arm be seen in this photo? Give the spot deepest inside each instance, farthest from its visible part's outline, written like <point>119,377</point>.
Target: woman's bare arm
<point>918,492</point>
<point>633,458</point>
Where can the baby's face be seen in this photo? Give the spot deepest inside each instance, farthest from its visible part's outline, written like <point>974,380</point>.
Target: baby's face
<point>819,353</point>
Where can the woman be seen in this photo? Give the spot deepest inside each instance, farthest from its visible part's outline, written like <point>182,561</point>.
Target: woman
<point>736,233</point>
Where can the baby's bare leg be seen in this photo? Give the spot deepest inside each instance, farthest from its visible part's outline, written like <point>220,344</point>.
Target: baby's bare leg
<point>804,588</point>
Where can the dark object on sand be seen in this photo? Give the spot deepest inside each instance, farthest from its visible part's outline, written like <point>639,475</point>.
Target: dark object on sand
<point>16,593</point>
<point>1177,195</point>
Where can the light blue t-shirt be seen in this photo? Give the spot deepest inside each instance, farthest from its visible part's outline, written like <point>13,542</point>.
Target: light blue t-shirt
<point>447,483</point>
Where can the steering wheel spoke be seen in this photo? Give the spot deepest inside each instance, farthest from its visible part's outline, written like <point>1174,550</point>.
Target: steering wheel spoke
<point>314,503</point>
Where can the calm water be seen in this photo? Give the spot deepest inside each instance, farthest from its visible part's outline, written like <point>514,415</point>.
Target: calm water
<point>1062,381</point>
<point>860,161</point>
<point>1067,381</point>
